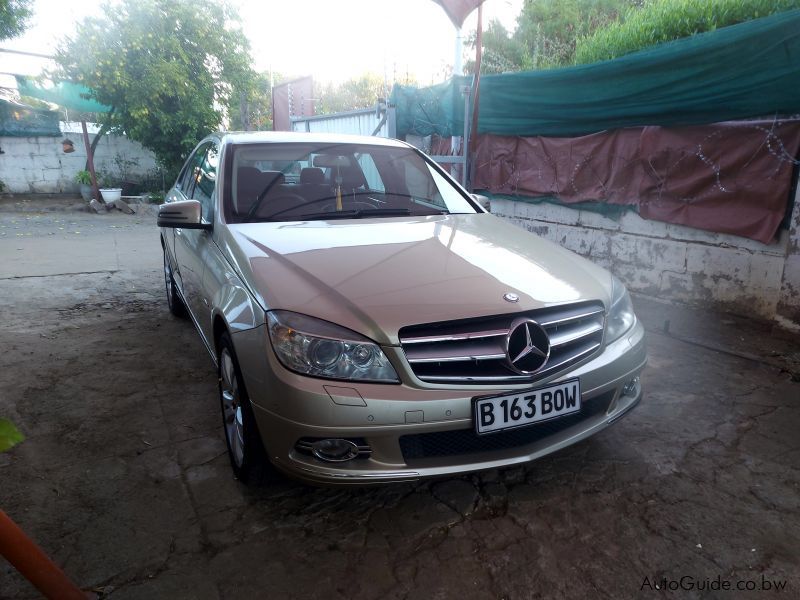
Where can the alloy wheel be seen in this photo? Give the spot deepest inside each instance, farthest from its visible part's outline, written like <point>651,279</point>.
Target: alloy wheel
<point>231,407</point>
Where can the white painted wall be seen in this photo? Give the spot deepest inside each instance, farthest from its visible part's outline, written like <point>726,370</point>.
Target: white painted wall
<point>37,165</point>
<point>674,262</point>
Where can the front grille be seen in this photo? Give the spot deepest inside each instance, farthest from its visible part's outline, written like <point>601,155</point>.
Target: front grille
<point>473,350</point>
<point>466,441</point>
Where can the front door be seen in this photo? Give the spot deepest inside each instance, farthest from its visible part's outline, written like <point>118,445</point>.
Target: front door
<point>192,246</point>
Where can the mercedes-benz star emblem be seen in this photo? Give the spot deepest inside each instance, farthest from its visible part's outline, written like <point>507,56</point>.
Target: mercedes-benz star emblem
<point>527,346</point>
<point>510,297</point>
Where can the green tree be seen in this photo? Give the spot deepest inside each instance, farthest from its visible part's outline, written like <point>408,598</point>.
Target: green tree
<point>167,67</point>
<point>502,51</point>
<point>251,104</point>
<point>359,92</point>
<point>546,34</point>
<point>14,15</point>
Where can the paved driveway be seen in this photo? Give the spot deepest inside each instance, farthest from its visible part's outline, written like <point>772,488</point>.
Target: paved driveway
<point>123,477</point>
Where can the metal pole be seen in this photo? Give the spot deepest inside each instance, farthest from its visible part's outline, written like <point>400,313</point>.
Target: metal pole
<point>391,121</point>
<point>458,58</point>
<point>473,134</point>
<point>457,72</point>
<point>477,82</point>
<point>464,145</point>
<point>27,558</point>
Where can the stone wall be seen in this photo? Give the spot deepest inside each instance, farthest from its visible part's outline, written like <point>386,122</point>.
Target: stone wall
<point>679,263</point>
<point>38,165</point>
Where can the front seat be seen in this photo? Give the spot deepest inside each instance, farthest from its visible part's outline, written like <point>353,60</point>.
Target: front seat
<point>248,187</point>
<point>250,183</point>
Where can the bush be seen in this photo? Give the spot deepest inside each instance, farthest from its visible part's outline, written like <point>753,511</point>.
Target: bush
<point>661,21</point>
<point>83,177</point>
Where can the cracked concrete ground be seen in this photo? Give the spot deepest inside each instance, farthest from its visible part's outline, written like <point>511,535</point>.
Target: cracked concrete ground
<point>124,481</point>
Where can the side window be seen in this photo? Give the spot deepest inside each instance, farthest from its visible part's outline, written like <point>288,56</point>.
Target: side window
<point>205,177</point>
<point>185,181</point>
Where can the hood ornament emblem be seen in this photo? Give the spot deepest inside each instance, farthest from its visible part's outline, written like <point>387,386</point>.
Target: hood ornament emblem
<point>510,297</point>
<point>527,346</point>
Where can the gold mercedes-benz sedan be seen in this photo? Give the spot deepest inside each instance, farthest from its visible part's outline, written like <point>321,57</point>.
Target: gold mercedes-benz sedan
<point>371,322</point>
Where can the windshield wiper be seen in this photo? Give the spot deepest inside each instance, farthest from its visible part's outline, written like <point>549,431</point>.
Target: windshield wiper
<point>359,213</point>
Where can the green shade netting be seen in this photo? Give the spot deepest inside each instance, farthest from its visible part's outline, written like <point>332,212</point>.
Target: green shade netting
<point>69,95</point>
<point>745,70</point>
<point>18,120</point>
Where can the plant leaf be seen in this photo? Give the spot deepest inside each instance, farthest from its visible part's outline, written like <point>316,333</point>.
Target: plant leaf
<point>9,435</point>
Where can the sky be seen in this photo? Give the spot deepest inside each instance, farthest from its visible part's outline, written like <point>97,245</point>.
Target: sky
<point>330,40</point>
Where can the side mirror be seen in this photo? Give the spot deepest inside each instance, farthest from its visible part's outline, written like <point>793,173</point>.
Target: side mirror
<point>483,201</point>
<point>184,214</point>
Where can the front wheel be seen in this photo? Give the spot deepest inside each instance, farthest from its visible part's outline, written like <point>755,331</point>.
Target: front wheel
<point>245,450</point>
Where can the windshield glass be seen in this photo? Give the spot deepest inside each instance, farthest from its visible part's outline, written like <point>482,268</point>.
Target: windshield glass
<point>305,181</point>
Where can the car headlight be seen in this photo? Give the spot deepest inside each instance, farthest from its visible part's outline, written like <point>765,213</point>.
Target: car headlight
<point>620,316</point>
<point>314,347</point>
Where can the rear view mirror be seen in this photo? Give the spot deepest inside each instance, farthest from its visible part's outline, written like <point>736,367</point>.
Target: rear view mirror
<point>331,161</point>
<point>185,214</point>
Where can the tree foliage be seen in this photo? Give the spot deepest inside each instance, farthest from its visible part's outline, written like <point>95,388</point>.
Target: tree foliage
<point>167,67</point>
<point>661,21</point>
<point>355,93</point>
<point>546,34</point>
<point>251,104</point>
<point>14,15</point>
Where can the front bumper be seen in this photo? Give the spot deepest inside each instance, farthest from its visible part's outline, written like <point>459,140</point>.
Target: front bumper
<point>401,423</point>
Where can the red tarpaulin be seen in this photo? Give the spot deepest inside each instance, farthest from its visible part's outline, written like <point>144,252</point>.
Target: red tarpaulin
<point>732,177</point>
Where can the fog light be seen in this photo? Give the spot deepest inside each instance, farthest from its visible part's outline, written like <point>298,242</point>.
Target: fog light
<point>334,450</point>
<point>631,388</point>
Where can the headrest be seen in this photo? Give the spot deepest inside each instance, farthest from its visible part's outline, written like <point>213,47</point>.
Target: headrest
<point>250,182</point>
<point>247,174</point>
<point>271,178</point>
<point>352,177</point>
<point>312,175</point>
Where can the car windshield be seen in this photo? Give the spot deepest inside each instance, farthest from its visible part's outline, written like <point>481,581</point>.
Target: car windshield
<point>308,181</point>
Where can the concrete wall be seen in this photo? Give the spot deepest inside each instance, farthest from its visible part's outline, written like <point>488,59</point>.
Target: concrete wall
<point>673,262</point>
<point>39,164</point>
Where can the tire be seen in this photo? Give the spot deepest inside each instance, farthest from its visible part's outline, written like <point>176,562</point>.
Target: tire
<point>174,301</point>
<point>245,450</point>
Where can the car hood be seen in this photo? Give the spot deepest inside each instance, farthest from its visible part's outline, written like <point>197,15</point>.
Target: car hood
<point>375,276</point>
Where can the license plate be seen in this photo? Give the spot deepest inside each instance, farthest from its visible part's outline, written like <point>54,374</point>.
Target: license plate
<point>527,407</point>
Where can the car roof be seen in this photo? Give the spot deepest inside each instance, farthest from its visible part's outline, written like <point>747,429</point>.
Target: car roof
<point>260,137</point>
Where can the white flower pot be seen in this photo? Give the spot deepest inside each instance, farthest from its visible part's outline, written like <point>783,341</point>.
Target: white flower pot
<point>111,194</point>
